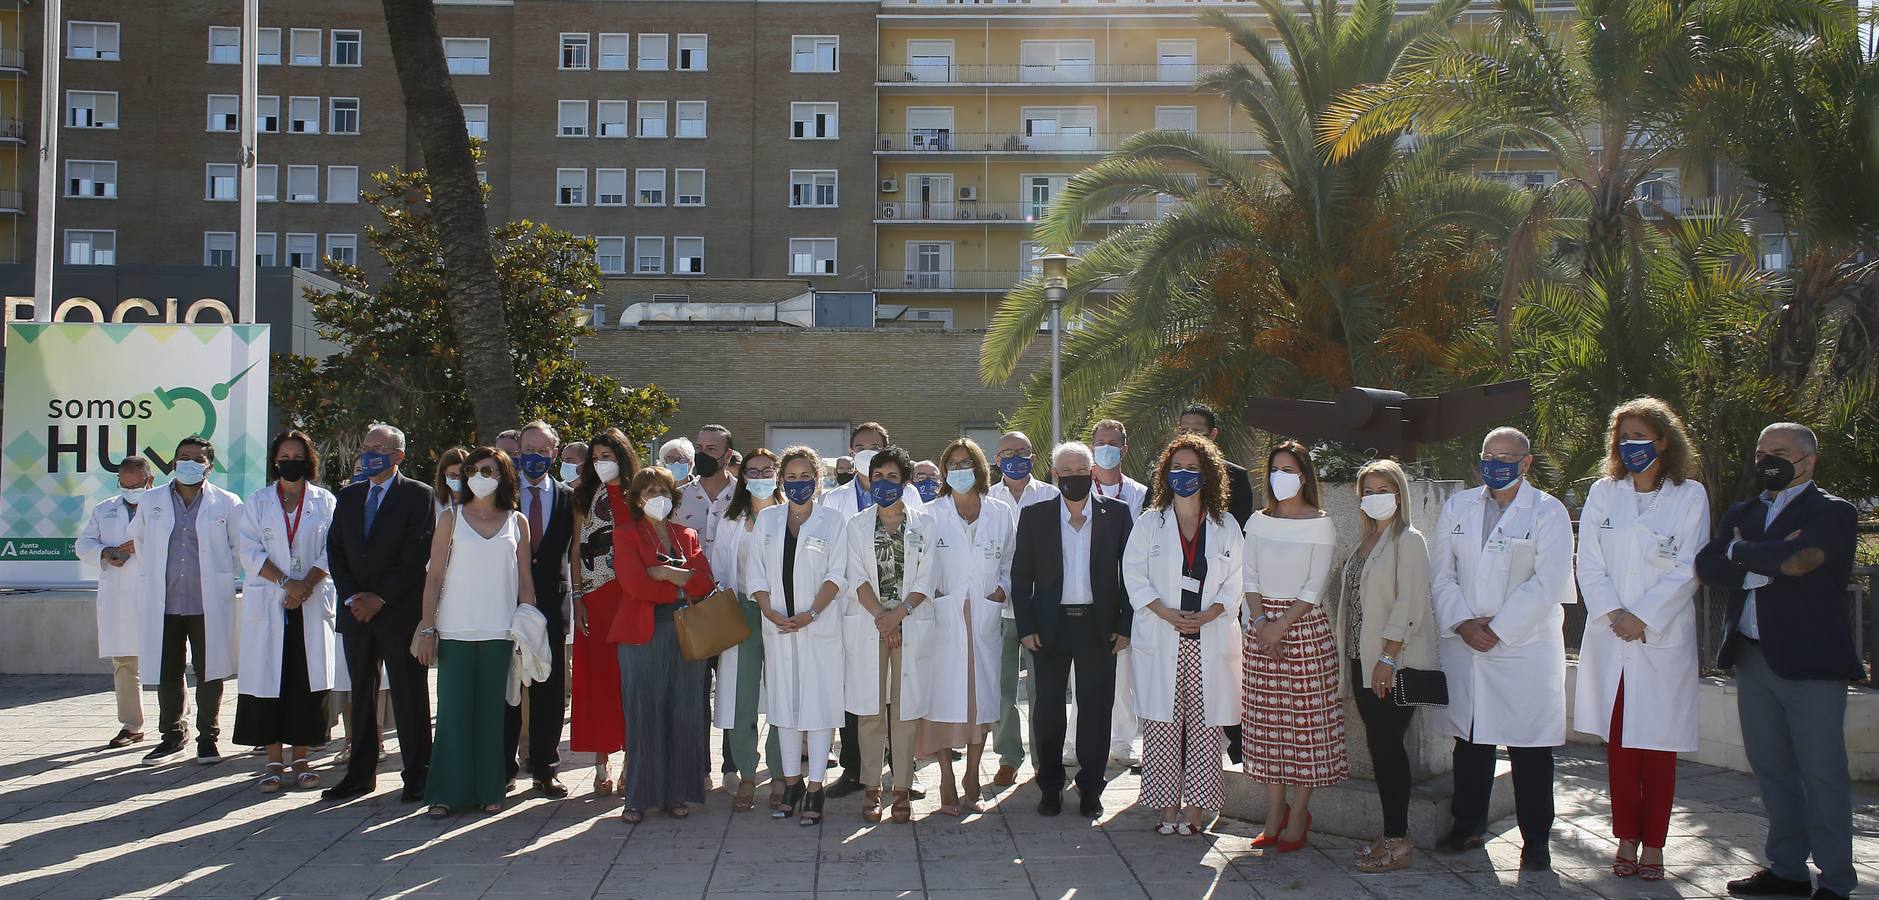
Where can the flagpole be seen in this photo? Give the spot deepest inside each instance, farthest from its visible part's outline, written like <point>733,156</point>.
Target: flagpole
<point>51,119</point>
<point>250,90</point>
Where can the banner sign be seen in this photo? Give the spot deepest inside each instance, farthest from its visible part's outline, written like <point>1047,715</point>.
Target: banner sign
<point>80,397</point>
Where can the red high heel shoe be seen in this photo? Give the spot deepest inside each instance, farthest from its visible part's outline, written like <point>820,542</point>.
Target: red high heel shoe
<point>1303,839</point>
<point>1270,840</point>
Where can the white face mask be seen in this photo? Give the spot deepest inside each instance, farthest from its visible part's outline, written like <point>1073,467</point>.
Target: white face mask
<point>131,495</point>
<point>1379,506</point>
<point>1285,485</point>
<point>657,508</point>
<point>455,485</point>
<point>570,471</point>
<point>606,469</point>
<point>482,485</point>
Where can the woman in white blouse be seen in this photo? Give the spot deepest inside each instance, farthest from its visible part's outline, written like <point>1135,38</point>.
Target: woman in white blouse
<point>1639,533</point>
<point>1293,721</point>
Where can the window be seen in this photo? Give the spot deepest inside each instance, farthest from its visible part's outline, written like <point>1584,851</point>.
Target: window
<point>652,53</point>
<point>611,118</point>
<point>652,118</point>
<point>476,120</point>
<point>609,187</point>
<point>221,181</point>
<point>90,248</point>
<point>1176,61</point>
<point>1281,57</point>
<point>345,118</point>
<point>1029,253</point>
<point>813,121</point>
<point>93,179</point>
<point>1177,118</point>
<point>571,118</point>
<point>812,256</point>
<point>264,249</point>
<point>1532,181</point>
<point>91,109</point>
<point>1660,188</point>
<point>930,60</point>
<point>812,187</point>
<point>613,58</point>
<point>224,112</point>
<point>267,180</point>
<point>1060,128</point>
<point>610,255</point>
<point>303,184</point>
<point>224,45</point>
<point>648,256</point>
<point>343,248</point>
<point>348,47</point>
<point>218,248</point>
<point>688,187</point>
<point>267,114</point>
<point>570,187</point>
<point>1776,251</point>
<point>304,46</point>
<point>691,114</point>
<point>649,187</point>
<point>342,184</point>
<point>692,52</point>
<point>1038,192</point>
<point>574,51</point>
<point>303,251</point>
<point>91,40</point>
<point>267,51</point>
<point>1057,61</point>
<point>467,56</point>
<point>688,256</point>
<point>815,53</point>
<point>303,115</point>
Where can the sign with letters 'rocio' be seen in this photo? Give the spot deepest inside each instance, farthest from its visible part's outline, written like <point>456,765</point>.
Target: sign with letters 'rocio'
<point>80,397</point>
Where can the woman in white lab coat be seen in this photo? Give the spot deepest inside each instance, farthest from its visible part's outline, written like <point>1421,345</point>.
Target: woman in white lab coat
<point>797,568</point>
<point>287,615</point>
<point>1637,687</point>
<point>956,638</point>
<point>740,669</point>
<point>101,544</point>
<point>1182,570</point>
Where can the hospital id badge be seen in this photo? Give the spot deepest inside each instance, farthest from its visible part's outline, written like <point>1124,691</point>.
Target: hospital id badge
<point>1190,584</point>
<point>1666,548</point>
<point>1496,545</point>
<point>990,550</point>
<point>293,566</point>
<point>817,544</point>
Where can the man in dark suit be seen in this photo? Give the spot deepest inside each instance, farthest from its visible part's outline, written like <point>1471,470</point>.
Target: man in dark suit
<point>549,507</point>
<point>378,548</point>
<point>1198,418</point>
<point>1072,612</point>
<point>1785,557</point>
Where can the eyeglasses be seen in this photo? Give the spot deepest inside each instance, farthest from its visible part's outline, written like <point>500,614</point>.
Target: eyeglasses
<point>491,471</point>
<point>760,473</point>
<point>1503,457</point>
<point>1008,453</point>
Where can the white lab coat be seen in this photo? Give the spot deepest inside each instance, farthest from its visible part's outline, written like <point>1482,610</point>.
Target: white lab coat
<point>1644,564</point>
<point>1514,694</point>
<point>1132,492</point>
<point>118,612</point>
<point>861,641</point>
<point>843,499</point>
<point>264,538</point>
<point>964,573</point>
<point>726,556</point>
<point>218,526</point>
<point>802,671</point>
<point>1151,569</point>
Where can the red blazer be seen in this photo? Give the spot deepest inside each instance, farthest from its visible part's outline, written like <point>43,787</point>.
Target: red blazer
<point>635,547</point>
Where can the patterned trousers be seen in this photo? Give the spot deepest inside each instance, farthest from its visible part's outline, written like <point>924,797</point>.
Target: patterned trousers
<point>1181,759</point>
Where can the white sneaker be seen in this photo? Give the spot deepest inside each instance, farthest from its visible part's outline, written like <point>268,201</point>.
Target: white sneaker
<point>1124,756</point>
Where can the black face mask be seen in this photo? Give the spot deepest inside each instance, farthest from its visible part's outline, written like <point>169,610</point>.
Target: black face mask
<point>1074,487</point>
<point>1775,473</point>
<point>291,469</point>
<point>844,477</point>
<point>705,465</point>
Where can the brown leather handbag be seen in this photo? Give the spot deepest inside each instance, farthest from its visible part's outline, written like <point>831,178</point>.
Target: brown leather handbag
<point>710,626</point>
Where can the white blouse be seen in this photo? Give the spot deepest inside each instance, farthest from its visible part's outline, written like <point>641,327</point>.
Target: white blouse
<point>1289,559</point>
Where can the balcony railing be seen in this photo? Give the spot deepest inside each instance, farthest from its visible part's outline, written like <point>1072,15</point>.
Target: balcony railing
<point>1015,212</point>
<point>970,280</point>
<point>11,203</point>
<point>13,129</point>
<point>12,59</point>
<point>1403,8</point>
<point>1182,73</point>
<point>939,140</point>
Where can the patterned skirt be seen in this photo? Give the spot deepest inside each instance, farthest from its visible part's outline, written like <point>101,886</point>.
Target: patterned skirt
<point>1292,719</point>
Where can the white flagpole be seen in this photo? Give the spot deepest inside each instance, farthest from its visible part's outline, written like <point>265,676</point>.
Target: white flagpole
<point>250,90</point>
<point>51,119</point>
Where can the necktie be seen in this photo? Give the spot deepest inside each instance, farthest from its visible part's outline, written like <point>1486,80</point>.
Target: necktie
<point>371,506</point>
<point>535,517</point>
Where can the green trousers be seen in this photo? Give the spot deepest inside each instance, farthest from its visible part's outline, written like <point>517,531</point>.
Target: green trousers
<point>466,758</point>
<point>1008,739</point>
<point>742,735</point>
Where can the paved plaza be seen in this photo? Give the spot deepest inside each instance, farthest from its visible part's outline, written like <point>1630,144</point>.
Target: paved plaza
<point>78,821</point>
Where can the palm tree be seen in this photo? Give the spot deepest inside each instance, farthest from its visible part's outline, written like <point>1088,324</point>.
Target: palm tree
<point>471,285</point>
<point>1294,275</point>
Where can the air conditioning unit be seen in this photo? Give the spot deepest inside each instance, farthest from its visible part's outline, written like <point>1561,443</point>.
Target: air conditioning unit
<point>890,210</point>
<point>968,193</point>
<point>890,185</point>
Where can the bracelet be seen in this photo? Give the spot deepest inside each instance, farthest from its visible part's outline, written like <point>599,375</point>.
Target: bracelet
<point>427,632</point>
<point>1387,660</point>
<point>1260,619</point>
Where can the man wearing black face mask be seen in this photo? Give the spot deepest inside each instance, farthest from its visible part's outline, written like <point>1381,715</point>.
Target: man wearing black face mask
<point>1785,557</point>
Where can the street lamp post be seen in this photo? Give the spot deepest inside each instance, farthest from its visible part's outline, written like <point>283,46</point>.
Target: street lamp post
<point>1056,290</point>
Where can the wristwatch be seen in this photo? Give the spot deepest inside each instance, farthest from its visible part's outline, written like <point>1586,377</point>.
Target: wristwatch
<point>427,632</point>
<point>282,582</point>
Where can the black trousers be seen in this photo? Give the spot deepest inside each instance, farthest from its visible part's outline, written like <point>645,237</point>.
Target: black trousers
<point>410,702</point>
<point>547,709</point>
<point>850,756</point>
<point>1077,646</point>
<point>1232,733</point>
<point>1533,790</point>
<point>185,634</point>
<point>1385,725</point>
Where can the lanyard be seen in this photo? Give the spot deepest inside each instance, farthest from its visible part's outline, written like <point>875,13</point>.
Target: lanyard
<point>293,524</point>
<point>1099,490</point>
<point>1188,547</point>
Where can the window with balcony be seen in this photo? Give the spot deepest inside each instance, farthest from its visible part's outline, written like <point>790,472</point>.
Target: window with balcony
<point>610,255</point>
<point>1030,252</point>
<point>692,52</point>
<point>1039,191</point>
<point>303,251</point>
<point>267,114</point>
<point>649,256</point>
<point>652,118</point>
<point>224,45</point>
<point>345,115</point>
<point>348,47</point>
<point>930,128</point>
<point>343,248</point>
<point>1660,188</point>
<point>267,47</point>
<point>266,249</point>
<point>342,184</point>
<point>812,256</point>
<point>652,52</point>
<point>1177,118</point>
<point>90,248</point>
<point>612,119</point>
<point>610,187</point>
<point>1532,181</point>
<point>814,121</point>
<point>614,52</point>
<point>929,265</point>
<point>1281,56</point>
<point>1057,61</point>
<point>91,40</point>
<point>812,187</point>
<point>303,115</point>
<point>570,187</point>
<point>691,118</point>
<point>930,60</point>
<point>1177,61</point>
<point>98,109</point>
<point>815,53</point>
<point>1066,128</point>
<point>303,184</point>
<point>926,197</point>
<point>467,56</point>
<point>222,181</point>
<point>304,45</point>
<point>218,248</point>
<point>91,179</point>
<point>574,49</point>
<point>476,120</point>
<point>688,187</point>
<point>688,256</point>
<point>571,118</point>
<point>649,187</point>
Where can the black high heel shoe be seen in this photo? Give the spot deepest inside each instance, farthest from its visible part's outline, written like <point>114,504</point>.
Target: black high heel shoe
<point>812,808</point>
<point>792,801</point>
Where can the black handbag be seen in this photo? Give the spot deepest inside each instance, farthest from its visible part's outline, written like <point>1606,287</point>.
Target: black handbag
<point>1420,687</point>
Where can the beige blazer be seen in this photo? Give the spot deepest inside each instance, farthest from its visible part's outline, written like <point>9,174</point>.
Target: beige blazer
<point>1395,595</point>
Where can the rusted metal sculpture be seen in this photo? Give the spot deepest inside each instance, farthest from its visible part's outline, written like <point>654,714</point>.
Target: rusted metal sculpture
<point>1391,423</point>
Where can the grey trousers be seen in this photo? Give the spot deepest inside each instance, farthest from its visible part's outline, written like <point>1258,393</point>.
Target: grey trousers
<point>1794,733</point>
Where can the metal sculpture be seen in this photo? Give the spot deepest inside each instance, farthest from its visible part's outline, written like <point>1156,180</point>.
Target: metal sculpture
<point>1391,423</point>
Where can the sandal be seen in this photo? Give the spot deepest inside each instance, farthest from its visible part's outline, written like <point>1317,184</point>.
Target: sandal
<point>746,798</point>
<point>970,795</point>
<point>437,811</point>
<point>792,799</point>
<point>1624,866</point>
<point>632,816</point>
<point>1650,871</point>
<point>492,807</point>
<point>903,807</point>
<point>678,810</point>
<point>871,806</point>
<point>1187,829</point>
<point>306,780</point>
<point>812,808</point>
<point>777,791</point>
<point>1165,828</point>
<point>949,800</point>
<point>1394,854</point>
<point>271,782</point>
<point>603,785</point>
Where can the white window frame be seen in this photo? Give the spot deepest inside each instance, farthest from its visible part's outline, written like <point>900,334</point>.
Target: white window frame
<point>91,98</point>
<point>1169,53</point>
<point>357,40</point>
<point>261,116</point>
<point>567,194</point>
<point>621,183</point>
<point>217,174</point>
<point>924,63</point>
<point>625,42</point>
<point>470,124</point>
<point>336,240</point>
<point>640,190</point>
<point>804,114</point>
<point>574,51</point>
<point>814,44</point>
<point>679,258</point>
<point>336,191</point>
<point>294,46</point>
<point>640,120</point>
<point>294,121</point>
<point>811,180</point>
<point>232,247</point>
<point>303,196</point>
<point>659,62</point>
<point>267,183</point>
<point>610,246</point>
<point>809,247</point>
<point>624,123</point>
<point>103,188</point>
<point>228,119</point>
<point>471,65</point>
<point>1192,112</point>
<point>91,245</point>
<point>679,196</point>
<point>1775,260</point>
<point>639,255</point>
<point>77,48</point>
<point>265,38</point>
<point>563,128</point>
<point>224,38</point>
<point>312,253</point>
<point>266,249</point>
<point>679,120</point>
<point>684,56</point>
<point>333,111</point>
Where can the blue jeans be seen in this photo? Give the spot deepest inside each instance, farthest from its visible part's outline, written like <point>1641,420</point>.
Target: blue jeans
<point>1794,732</point>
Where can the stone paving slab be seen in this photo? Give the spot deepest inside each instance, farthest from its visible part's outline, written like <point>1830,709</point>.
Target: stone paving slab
<point>79,821</point>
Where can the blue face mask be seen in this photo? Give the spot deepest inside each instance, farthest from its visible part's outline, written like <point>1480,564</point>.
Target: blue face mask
<point>535,465</point>
<point>189,471</point>
<point>1638,455</point>
<point>1108,456</point>
<point>1498,475</point>
<point>1183,483</point>
<point>361,476</point>
<point>961,480</point>
<point>1016,468</point>
<point>680,470</point>
<point>799,492</point>
<point>373,463</point>
<point>761,488</point>
<point>928,488</point>
<point>884,492</point>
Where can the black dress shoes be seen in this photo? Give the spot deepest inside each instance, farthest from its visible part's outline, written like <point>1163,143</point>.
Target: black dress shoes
<point>551,787</point>
<point>1091,804</point>
<point>1536,859</point>
<point>1050,804</point>
<point>1767,884</point>
<point>411,794</point>
<point>348,788</point>
<point>849,783</point>
<point>1461,843</point>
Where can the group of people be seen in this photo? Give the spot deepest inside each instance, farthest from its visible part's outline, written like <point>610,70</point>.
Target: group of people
<point>899,604</point>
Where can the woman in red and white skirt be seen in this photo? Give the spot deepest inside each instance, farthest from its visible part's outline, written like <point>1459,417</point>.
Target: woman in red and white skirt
<point>598,722</point>
<point>1292,717</point>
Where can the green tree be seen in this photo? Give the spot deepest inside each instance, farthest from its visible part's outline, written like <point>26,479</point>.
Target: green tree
<point>399,361</point>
